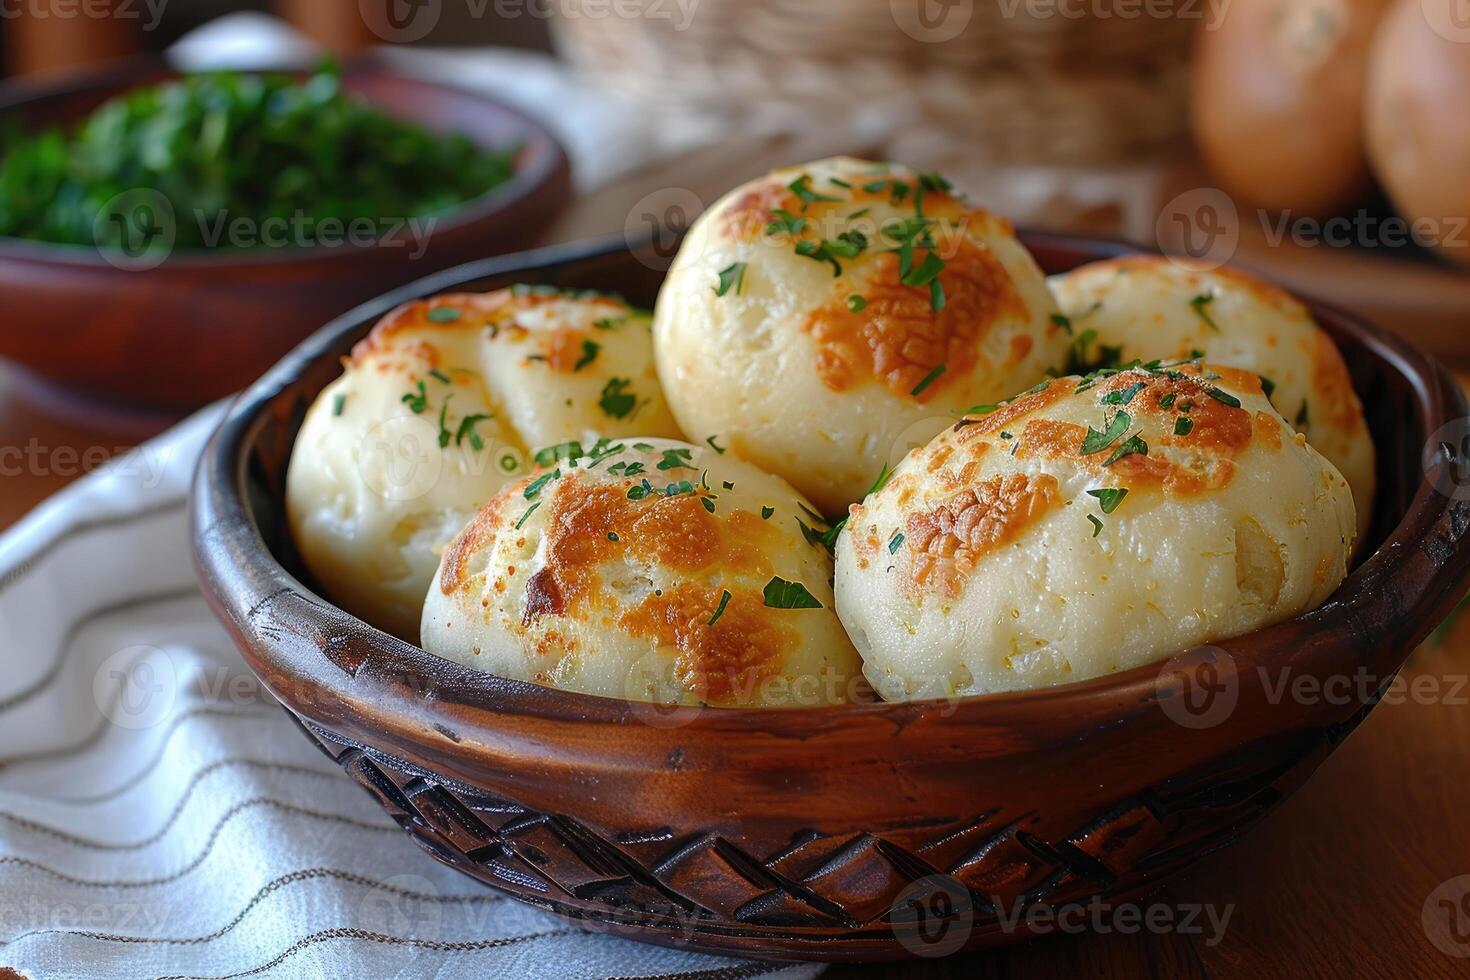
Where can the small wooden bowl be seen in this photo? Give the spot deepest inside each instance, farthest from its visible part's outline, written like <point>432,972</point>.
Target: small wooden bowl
<point>206,323</point>
<point>837,833</point>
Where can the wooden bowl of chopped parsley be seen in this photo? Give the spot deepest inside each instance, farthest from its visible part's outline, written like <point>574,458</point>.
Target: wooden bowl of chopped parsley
<point>164,238</point>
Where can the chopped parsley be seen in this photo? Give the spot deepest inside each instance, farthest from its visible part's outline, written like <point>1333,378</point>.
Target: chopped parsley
<point>895,542</point>
<point>1198,304</point>
<point>1268,387</point>
<point>802,188</point>
<point>1124,396</point>
<point>1097,525</point>
<point>731,276</point>
<point>444,314</point>
<point>1109,498</point>
<point>1223,397</point>
<point>439,375</point>
<point>524,517</point>
<point>1183,425</point>
<point>715,446</point>
<point>928,380</point>
<point>781,594</point>
<point>551,455</point>
<point>612,535</point>
<point>1065,322</point>
<point>1135,446</point>
<point>720,609</point>
<point>417,401</point>
<point>537,485</point>
<point>785,221</point>
<point>1302,417</point>
<point>609,323</point>
<point>589,354</point>
<point>444,434</point>
<point>339,401</point>
<point>1096,442</point>
<point>616,401</point>
<point>856,303</point>
<point>675,459</point>
<point>766,513</point>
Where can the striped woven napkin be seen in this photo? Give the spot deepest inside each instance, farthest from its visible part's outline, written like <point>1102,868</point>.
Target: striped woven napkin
<point>160,816</point>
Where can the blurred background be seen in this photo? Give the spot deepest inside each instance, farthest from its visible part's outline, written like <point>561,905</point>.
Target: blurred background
<point>1325,143</point>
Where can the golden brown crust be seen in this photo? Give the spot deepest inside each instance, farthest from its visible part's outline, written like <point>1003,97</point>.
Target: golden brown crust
<point>724,663</point>
<point>941,547</point>
<point>899,339</point>
<point>1337,402</point>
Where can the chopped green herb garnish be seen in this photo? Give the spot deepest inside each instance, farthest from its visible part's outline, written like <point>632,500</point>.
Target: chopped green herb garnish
<point>720,610</point>
<point>731,276</point>
<point>569,451</point>
<point>417,401</point>
<point>1097,525</point>
<point>1302,415</point>
<point>1168,400</point>
<point>1268,387</point>
<point>1135,446</point>
<point>529,511</point>
<point>339,401</point>
<point>802,188</point>
<point>612,535</point>
<point>928,380</point>
<point>439,375</point>
<point>1223,397</point>
<point>781,594</point>
<point>1109,498</point>
<point>1124,396</point>
<point>766,513</point>
<point>708,504</point>
<point>856,303</point>
<point>609,323</point>
<point>895,542</point>
<point>1096,442</point>
<point>1183,425</point>
<point>444,434</point>
<point>981,409</point>
<point>589,354</point>
<point>1065,322</point>
<point>539,484</point>
<point>444,314</point>
<point>1198,304</point>
<point>675,459</point>
<point>714,445</point>
<point>616,401</point>
<point>785,221</point>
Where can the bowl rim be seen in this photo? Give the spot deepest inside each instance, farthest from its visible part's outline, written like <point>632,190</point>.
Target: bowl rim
<point>540,158</point>
<point>240,577</point>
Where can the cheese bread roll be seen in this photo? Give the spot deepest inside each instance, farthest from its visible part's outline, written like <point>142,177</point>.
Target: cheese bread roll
<point>814,317</point>
<point>446,400</point>
<point>1152,307</point>
<point>1089,526</point>
<point>650,570</point>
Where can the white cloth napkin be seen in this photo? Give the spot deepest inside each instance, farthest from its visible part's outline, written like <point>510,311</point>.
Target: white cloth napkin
<point>161,817</point>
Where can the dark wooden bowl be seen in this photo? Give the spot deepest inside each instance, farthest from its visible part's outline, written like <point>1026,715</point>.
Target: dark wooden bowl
<point>207,323</point>
<point>834,832</point>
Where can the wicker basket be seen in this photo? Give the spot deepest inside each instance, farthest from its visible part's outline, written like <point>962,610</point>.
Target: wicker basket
<point>1015,84</point>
